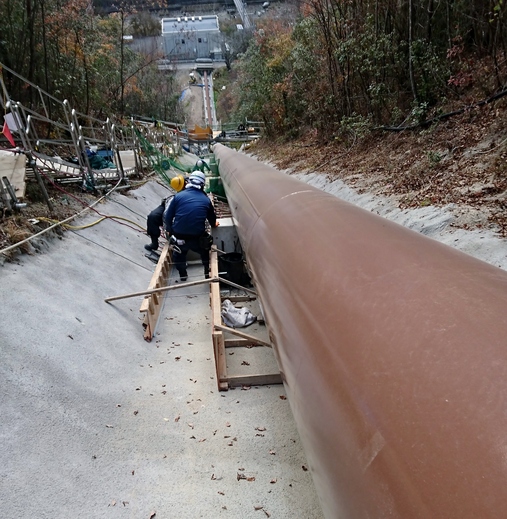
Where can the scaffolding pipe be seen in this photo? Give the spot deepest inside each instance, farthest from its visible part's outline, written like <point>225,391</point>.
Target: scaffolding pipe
<point>392,348</point>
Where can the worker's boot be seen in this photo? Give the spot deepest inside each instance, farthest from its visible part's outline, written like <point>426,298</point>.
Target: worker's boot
<point>183,275</point>
<point>206,272</point>
<point>152,246</point>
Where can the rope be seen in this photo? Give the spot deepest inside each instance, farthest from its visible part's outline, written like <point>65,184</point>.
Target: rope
<point>112,251</point>
<point>26,240</point>
<point>79,227</point>
<point>92,206</point>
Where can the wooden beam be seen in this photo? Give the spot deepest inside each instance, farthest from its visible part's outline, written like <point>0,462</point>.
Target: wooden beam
<point>235,285</point>
<point>216,317</point>
<point>254,340</point>
<point>254,380</point>
<point>160,290</point>
<point>233,343</point>
<point>238,299</point>
<point>152,304</point>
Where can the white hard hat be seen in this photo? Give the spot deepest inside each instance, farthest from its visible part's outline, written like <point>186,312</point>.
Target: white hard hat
<point>197,179</point>
<point>199,163</point>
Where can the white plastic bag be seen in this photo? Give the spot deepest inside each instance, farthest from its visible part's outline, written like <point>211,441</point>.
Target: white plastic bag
<point>236,317</point>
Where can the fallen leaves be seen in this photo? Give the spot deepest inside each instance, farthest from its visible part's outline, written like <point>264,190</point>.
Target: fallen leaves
<point>243,476</point>
<point>257,508</point>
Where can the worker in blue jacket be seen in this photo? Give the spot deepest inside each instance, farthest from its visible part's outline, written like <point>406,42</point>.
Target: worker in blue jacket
<point>185,221</point>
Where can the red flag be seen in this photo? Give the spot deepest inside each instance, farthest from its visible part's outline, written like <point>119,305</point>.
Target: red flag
<point>8,134</point>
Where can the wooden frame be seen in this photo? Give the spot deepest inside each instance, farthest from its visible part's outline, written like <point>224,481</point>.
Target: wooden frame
<point>216,319</point>
<point>152,304</point>
<point>224,380</point>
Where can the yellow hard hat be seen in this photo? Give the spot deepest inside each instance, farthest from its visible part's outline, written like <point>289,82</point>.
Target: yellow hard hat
<point>178,182</point>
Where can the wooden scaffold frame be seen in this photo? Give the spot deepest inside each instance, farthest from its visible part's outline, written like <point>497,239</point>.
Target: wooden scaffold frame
<point>152,304</point>
<point>220,343</point>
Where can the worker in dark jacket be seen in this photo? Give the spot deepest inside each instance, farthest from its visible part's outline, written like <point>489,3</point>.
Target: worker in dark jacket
<point>155,219</point>
<point>185,221</point>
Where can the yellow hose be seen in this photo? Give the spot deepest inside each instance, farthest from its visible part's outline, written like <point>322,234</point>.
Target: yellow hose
<point>79,227</point>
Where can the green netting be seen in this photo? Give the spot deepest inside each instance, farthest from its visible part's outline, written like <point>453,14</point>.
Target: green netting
<point>160,163</point>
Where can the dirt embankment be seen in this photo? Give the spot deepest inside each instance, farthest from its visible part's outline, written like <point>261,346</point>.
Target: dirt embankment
<point>461,161</point>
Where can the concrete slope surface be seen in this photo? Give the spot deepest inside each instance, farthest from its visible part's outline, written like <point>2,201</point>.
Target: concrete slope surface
<point>97,423</point>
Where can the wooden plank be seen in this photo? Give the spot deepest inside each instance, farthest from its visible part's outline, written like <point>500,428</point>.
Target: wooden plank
<point>152,305</point>
<point>150,320</point>
<point>254,380</point>
<point>238,299</point>
<point>233,343</point>
<point>160,271</point>
<point>216,317</point>
<point>254,340</point>
<point>218,348</point>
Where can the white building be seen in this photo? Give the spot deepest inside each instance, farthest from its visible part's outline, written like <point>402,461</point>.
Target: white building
<point>192,37</point>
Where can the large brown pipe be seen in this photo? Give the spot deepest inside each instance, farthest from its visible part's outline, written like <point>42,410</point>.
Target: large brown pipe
<point>392,346</point>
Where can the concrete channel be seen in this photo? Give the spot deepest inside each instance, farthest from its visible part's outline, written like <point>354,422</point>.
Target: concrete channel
<point>96,422</point>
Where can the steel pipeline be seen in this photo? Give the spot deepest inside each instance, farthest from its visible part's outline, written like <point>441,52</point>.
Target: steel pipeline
<point>392,347</point>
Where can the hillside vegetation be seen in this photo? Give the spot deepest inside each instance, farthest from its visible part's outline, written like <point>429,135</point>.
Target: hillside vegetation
<point>461,162</point>
<point>400,98</point>
<point>341,67</point>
